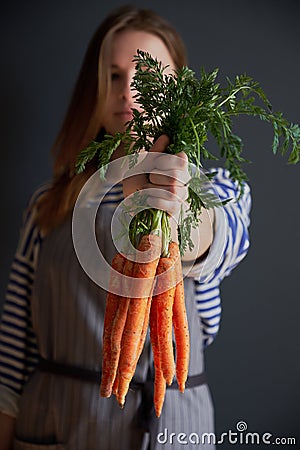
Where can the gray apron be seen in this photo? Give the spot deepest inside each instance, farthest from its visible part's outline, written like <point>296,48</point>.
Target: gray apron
<point>64,413</point>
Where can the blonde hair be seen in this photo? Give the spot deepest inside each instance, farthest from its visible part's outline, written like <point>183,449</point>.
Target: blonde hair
<point>82,122</point>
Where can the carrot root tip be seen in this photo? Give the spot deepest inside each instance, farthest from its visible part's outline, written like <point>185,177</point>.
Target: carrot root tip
<point>169,381</point>
<point>104,395</point>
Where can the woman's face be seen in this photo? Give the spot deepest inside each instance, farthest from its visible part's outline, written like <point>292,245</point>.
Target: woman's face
<point>117,110</point>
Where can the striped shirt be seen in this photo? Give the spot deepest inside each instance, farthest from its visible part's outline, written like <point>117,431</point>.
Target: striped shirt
<point>18,342</point>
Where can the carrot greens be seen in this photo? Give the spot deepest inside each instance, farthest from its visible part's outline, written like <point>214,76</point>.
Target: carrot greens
<point>191,111</point>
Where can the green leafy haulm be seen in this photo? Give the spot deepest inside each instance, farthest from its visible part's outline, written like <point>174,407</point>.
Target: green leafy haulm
<point>190,110</point>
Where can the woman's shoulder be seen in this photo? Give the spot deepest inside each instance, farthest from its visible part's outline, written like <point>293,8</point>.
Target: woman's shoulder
<point>38,193</point>
<point>29,219</point>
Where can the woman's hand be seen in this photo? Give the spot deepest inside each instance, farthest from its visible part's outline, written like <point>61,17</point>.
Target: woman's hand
<point>163,178</point>
<point>164,175</point>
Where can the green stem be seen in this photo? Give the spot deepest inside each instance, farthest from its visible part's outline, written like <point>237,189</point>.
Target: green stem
<point>151,221</point>
<point>155,226</point>
<point>161,226</point>
<point>166,234</point>
<point>198,142</point>
<point>233,94</point>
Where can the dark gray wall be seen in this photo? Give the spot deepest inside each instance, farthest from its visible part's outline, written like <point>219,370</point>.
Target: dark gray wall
<point>254,365</point>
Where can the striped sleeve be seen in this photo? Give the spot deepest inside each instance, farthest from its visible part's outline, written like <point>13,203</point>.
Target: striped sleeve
<point>230,246</point>
<point>18,347</point>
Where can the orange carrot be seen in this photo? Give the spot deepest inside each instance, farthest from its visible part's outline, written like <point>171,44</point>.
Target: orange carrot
<point>180,322</point>
<point>127,319</point>
<point>145,327</point>
<point>165,288</point>
<point>112,302</point>
<point>115,385</point>
<point>137,308</point>
<point>159,391</point>
<point>159,380</point>
<point>113,336</point>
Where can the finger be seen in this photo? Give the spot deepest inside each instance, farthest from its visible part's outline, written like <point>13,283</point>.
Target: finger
<point>134,183</point>
<point>172,208</point>
<point>160,144</point>
<point>168,161</point>
<point>169,177</point>
<point>171,193</point>
<point>155,159</point>
<point>174,166</point>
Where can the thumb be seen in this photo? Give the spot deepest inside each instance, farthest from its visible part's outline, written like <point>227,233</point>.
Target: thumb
<point>160,144</point>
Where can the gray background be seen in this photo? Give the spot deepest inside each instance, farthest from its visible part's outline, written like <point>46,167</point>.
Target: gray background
<point>253,365</point>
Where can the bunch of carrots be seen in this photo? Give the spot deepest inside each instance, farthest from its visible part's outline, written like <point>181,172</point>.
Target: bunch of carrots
<point>189,111</point>
<point>159,303</point>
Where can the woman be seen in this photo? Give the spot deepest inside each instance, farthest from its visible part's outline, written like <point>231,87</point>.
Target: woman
<point>52,323</point>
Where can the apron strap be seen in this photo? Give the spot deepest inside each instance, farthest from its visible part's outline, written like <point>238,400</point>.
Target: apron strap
<point>146,418</point>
